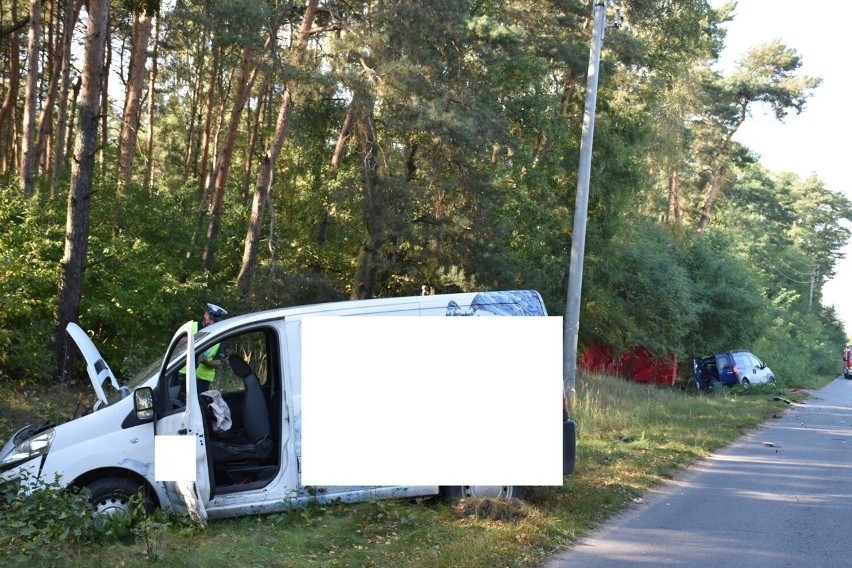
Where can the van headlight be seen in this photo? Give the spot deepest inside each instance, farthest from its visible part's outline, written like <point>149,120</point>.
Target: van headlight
<point>30,448</point>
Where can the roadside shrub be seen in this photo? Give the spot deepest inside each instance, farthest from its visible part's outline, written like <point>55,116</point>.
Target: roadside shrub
<point>30,249</point>
<point>801,350</point>
<point>45,524</point>
<point>55,521</point>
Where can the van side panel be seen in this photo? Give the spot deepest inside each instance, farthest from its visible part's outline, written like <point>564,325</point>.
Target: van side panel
<point>287,491</point>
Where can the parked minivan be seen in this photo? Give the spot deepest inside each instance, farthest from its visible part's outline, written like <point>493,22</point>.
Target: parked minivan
<point>253,468</point>
<point>730,368</point>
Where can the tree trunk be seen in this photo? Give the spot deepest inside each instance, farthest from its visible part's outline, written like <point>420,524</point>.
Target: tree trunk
<point>44,127</point>
<point>57,33</point>
<point>261,195</point>
<point>190,152</point>
<point>263,187</point>
<point>345,132</point>
<point>73,263</point>
<point>128,135</point>
<point>245,82</point>
<point>105,105</point>
<point>674,197</point>
<point>78,84</point>
<point>716,165</point>
<point>28,154</point>
<point>8,116</point>
<point>207,173</point>
<point>253,126</point>
<point>204,157</point>
<point>374,206</point>
<point>102,161</point>
<point>60,154</point>
<point>152,82</point>
<point>709,198</point>
<point>321,228</point>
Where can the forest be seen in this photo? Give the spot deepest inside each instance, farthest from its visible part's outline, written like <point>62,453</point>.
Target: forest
<point>157,155</point>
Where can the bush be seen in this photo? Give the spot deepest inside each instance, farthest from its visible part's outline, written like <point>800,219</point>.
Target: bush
<point>44,524</point>
<point>30,249</point>
<point>55,521</point>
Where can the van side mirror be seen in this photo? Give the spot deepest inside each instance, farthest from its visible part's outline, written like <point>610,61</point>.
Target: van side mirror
<point>143,402</point>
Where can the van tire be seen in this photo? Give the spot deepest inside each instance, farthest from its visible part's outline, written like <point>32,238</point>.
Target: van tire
<point>111,495</point>
<point>456,492</point>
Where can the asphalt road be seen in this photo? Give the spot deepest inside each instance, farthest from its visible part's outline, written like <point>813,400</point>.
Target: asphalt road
<point>780,496</point>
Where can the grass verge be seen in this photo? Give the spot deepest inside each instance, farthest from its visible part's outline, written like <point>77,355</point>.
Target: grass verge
<point>631,437</point>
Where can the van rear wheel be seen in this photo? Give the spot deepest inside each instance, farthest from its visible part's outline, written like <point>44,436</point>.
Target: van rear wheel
<point>455,492</point>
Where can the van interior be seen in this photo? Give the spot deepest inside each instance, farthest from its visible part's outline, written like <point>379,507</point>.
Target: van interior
<point>246,455</point>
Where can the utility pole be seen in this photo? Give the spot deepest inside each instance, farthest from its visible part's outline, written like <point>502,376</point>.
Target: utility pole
<point>581,206</point>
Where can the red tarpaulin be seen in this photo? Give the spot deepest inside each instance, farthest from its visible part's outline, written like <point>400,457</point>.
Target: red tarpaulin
<point>638,365</point>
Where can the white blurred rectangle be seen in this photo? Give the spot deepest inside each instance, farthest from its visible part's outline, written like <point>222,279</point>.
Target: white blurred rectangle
<point>174,458</point>
<point>431,400</point>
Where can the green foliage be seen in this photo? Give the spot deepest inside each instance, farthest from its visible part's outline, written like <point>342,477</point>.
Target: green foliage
<point>767,74</point>
<point>148,7</point>
<point>637,294</point>
<point>478,108</point>
<point>45,524</point>
<point>136,525</point>
<point>802,347</point>
<point>288,288</point>
<point>136,292</point>
<point>51,521</point>
<point>30,249</point>
<point>788,233</point>
<point>726,292</point>
<point>137,288</point>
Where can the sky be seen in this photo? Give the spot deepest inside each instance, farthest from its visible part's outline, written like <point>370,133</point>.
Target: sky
<point>815,141</point>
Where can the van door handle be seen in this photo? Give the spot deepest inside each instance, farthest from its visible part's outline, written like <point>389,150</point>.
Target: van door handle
<point>183,431</point>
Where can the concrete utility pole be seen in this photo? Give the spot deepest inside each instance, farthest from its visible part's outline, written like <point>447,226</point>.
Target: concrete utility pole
<point>581,206</point>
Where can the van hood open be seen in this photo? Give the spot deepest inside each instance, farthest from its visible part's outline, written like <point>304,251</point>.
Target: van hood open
<point>99,371</point>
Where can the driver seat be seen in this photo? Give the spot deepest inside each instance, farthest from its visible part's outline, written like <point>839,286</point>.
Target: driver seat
<point>255,442</point>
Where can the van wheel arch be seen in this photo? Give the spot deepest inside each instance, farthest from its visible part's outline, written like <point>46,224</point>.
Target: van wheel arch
<point>117,481</point>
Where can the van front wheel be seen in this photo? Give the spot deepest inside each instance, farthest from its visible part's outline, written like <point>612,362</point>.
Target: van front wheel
<point>454,492</point>
<point>111,496</point>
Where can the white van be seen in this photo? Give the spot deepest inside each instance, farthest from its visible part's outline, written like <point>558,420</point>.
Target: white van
<point>252,468</point>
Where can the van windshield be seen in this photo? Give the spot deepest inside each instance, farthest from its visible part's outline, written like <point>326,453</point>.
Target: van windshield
<point>146,373</point>
<point>149,371</point>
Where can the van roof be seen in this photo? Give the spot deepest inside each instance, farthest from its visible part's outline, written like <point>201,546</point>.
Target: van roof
<point>529,302</point>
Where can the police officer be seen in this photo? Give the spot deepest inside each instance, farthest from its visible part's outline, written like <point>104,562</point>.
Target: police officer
<point>211,359</point>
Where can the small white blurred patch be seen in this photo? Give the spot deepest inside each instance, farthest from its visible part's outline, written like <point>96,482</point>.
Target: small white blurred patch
<point>174,458</point>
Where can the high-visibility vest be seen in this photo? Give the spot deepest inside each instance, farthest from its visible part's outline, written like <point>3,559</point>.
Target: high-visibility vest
<point>204,372</point>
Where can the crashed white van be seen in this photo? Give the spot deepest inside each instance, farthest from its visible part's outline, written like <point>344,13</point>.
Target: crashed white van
<point>252,468</point>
